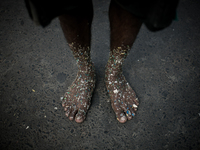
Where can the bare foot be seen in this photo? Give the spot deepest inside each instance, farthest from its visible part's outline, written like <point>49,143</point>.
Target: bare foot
<point>77,99</point>
<point>123,98</point>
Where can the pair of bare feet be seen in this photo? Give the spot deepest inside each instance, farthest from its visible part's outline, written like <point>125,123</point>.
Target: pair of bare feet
<point>124,27</point>
<point>76,100</point>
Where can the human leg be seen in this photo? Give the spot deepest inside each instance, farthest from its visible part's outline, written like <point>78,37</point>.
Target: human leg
<point>124,28</point>
<point>76,27</point>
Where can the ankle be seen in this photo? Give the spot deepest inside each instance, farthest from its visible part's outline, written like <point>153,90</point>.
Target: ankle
<point>114,65</point>
<point>86,66</point>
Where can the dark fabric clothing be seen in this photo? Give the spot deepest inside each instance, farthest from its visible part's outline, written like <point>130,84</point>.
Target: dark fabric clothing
<point>156,14</point>
<point>43,11</point>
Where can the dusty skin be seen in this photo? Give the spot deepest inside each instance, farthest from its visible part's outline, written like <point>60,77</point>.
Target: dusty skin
<point>77,99</point>
<point>124,27</point>
<point>123,99</point>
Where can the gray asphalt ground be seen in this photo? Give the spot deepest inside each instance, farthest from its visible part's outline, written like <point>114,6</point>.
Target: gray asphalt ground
<point>36,67</point>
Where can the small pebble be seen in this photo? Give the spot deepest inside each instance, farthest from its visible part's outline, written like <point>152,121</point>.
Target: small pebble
<point>135,106</point>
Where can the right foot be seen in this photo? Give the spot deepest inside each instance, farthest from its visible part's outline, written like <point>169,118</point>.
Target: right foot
<point>76,101</point>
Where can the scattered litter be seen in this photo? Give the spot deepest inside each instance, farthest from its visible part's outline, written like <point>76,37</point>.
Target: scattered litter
<point>45,116</point>
<point>116,91</point>
<point>61,98</point>
<point>55,108</point>
<point>199,114</point>
<point>27,127</point>
<point>33,90</point>
<point>135,106</point>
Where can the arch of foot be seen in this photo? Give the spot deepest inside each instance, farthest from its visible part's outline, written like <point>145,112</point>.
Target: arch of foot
<point>123,99</point>
<point>76,100</point>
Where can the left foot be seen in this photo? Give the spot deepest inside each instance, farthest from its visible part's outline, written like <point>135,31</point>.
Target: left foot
<point>123,98</point>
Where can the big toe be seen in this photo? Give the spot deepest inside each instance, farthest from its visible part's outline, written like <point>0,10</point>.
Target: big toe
<point>121,116</point>
<point>79,119</point>
<point>80,116</point>
<point>122,119</point>
<point>72,114</point>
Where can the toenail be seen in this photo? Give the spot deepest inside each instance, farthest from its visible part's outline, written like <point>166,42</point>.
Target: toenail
<point>128,112</point>
<point>66,108</point>
<point>123,118</point>
<point>121,114</point>
<point>71,118</point>
<point>78,118</point>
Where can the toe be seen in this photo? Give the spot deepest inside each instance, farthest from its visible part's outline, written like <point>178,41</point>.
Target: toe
<point>128,114</point>
<point>122,118</point>
<point>79,119</point>
<point>127,111</point>
<point>65,101</point>
<point>80,116</point>
<point>134,104</point>
<point>118,109</point>
<point>63,104</point>
<point>134,107</point>
<point>67,109</point>
<point>72,113</point>
<point>136,101</point>
<point>132,111</point>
